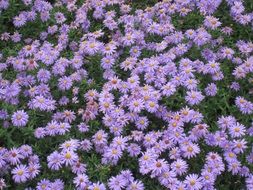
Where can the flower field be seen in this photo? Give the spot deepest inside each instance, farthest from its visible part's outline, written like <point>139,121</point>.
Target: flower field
<point>126,95</point>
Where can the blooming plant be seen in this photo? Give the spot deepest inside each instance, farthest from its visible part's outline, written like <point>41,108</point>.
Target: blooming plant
<point>118,94</point>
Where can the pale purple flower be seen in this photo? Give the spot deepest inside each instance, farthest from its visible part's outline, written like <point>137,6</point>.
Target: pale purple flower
<point>19,118</point>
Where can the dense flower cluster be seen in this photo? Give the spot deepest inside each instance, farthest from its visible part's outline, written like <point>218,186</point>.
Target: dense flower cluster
<point>146,67</point>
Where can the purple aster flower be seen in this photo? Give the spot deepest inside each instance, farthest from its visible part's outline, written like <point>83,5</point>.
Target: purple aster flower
<point>194,97</point>
<point>97,186</point>
<point>20,20</point>
<point>69,157</point>
<point>211,89</point>
<point>43,75</point>
<point>245,106</point>
<point>212,22</point>
<point>2,184</point>
<point>3,114</point>
<point>78,168</point>
<point>55,161</point>
<point>33,170</point>
<point>249,182</point>
<point>237,130</point>
<point>20,174</point>
<point>158,167</point>
<point>81,181</point>
<point>135,185</point>
<point>65,83</point>
<point>59,17</point>
<point>44,184</point>
<point>19,118</point>
<point>134,150</point>
<point>85,145</point>
<point>116,183</point>
<point>57,185</point>
<point>4,4</point>
<point>190,150</point>
<point>136,105</point>
<point>193,182</point>
<point>16,37</point>
<point>15,156</point>
<point>26,150</point>
<point>179,166</point>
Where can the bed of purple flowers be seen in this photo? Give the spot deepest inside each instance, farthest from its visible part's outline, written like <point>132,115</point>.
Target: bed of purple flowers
<point>117,94</point>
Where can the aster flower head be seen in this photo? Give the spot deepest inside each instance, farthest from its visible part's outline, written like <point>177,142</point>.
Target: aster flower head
<point>135,185</point>
<point>20,118</point>
<point>44,184</point>
<point>194,97</point>
<point>2,183</point>
<point>193,182</point>
<point>69,157</point>
<point>237,130</point>
<point>117,183</point>
<point>179,166</point>
<point>136,105</point>
<point>19,20</point>
<point>97,186</point>
<point>211,89</point>
<point>55,161</point>
<point>212,22</point>
<point>20,174</point>
<point>190,150</point>
<point>81,181</point>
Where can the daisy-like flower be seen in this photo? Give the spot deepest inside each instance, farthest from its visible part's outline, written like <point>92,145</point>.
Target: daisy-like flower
<point>100,137</point>
<point>78,168</point>
<point>65,83</point>
<point>20,20</point>
<point>158,167</point>
<point>151,106</point>
<point>20,174</point>
<point>244,105</point>
<point>15,156</point>
<point>2,184</point>
<point>55,161</point>
<point>97,186</point>
<point>237,130</point>
<point>109,48</point>
<point>239,146</point>
<point>136,105</point>
<point>249,181</point>
<point>211,89</point>
<point>179,166</point>
<point>194,97</point>
<point>212,67</point>
<point>92,47</point>
<point>33,169</point>
<point>26,150</point>
<point>142,123</point>
<point>19,118</point>
<point>57,185</point>
<point>117,183</point>
<point>135,185</point>
<point>81,181</point>
<point>59,17</point>
<point>227,53</point>
<point>71,145</point>
<point>44,184</point>
<point>193,182</point>
<point>212,22</point>
<point>168,89</point>
<point>190,150</point>
<point>69,157</point>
